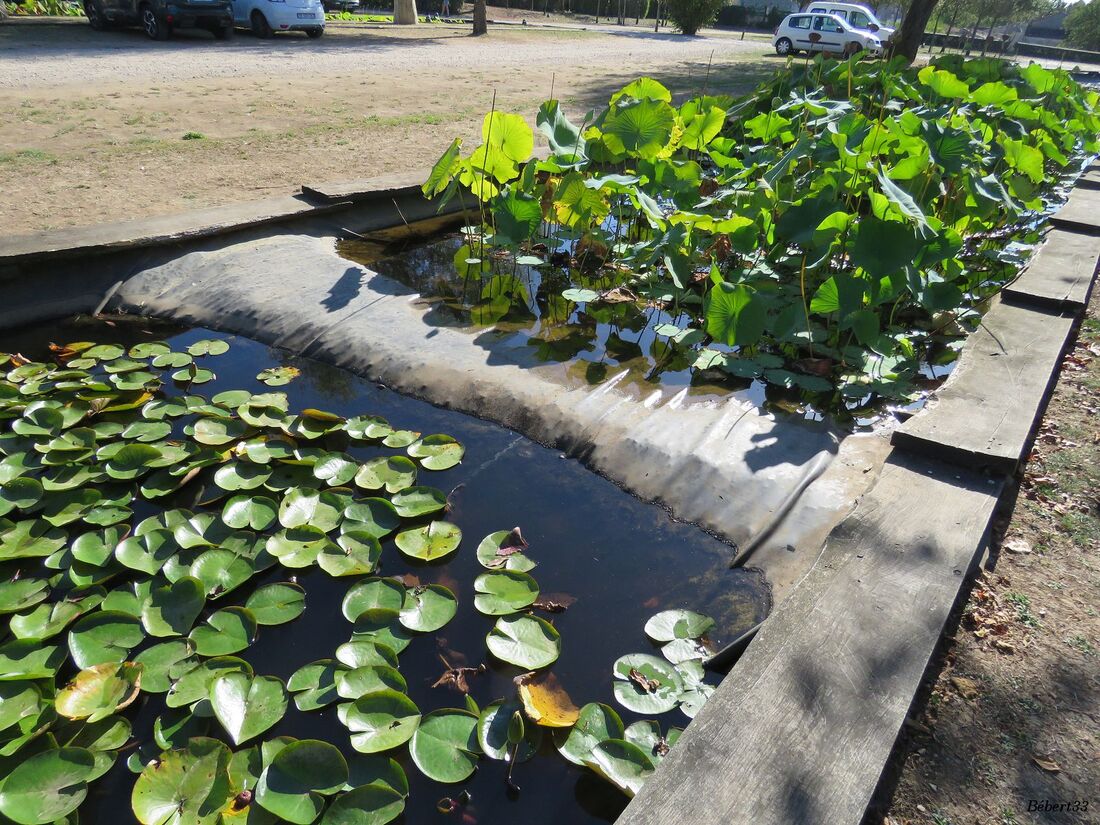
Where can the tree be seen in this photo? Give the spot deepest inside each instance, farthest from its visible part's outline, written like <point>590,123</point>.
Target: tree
<point>1083,25</point>
<point>691,15</point>
<point>404,13</point>
<point>481,25</point>
<point>909,36</point>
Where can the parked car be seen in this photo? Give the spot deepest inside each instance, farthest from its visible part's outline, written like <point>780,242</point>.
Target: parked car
<point>265,17</point>
<point>856,15</point>
<point>159,17</point>
<point>822,33</point>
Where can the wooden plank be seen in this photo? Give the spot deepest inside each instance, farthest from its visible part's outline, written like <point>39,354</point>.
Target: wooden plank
<point>801,728</point>
<point>984,414</point>
<point>1059,274</point>
<point>161,229</point>
<point>1081,212</point>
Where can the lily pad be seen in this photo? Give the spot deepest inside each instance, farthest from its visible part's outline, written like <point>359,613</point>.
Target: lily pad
<point>22,594</point>
<point>524,641</point>
<point>277,603</point>
<point>294,785</point>
<point>48,786</point>
<point>377,770</point>
<point>367,428</point>
<point>314,685</point>
<point>304,506</point>
<point>97,692</point>
<point>371,594</point>
<point>445,746</point>
<point>104,636</point>
<point>189,785</point>
<point>622,763</point>
<point>646,734</point>
<point>218,431</point>
<point>47,620</point>
<point>502,550</point>
<point>247,705</point>
<point>356,553</point>
<point>30,538</point>
<point>172,610</point>
<point>381,626</point>
<point>97,546</point>
<point>503,592</point>
<point>241,475</point>
<point>436,452</point>
<point>278,376</point>
<point>430,542</point>
<point>363,653</point>
<point>298,547</point>
<point>221,570</point>
<point>500,727</point>
<point>381,720</point>
<point>158,661</point>
<point>131,461</point>
<point>677,624</point>
<point>194,685</point>
<point>251,512</point>
<point>365,805</point>
<point>375,516</point>
<point>427,608</point>
<point>356,683</point>
<point>227,631</point>
<point>597,722</point>
<point>335,469</point>
<point>646,684</point>
<point>208,346</point>
<point>147,552</point>
<point>413,502</point>
<point>394,473</point>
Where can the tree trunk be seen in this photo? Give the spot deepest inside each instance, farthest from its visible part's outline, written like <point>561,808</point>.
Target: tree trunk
<point>481,26</point>
<point>404,12</point>
<point>912,28</point>
<point>950,27</point>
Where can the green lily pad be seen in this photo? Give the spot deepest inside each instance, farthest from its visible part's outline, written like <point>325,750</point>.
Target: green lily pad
<point>429,542</point>
<point>247,705</point>
<point>680,651</point>
<point>358,682</point>
<point>525,641</point>
<point>693,699</point>
<point>314,685</point>
<point>188,786</point>
<point>18,701</point>
<point>394,473</point>
<point>48,786</point>
<point>299,777</point>
<point>47,620</point>
<point>147,431</point>
<point>265,450</point>
<point>313,424</point>
<point>149,349</point>
<point>104,352</point>
<point>208,346</point>
<point>445,746</point>
<point>371,594</point>
<point>218,431</point>
<point>365,805</point>
<point>356,553</point>
<point>596,723</point>
<point>380,625</point>
<point>335,469</point>
<point>277,603</point>
<point>622,763</point>
<point>363,653</point>
<point>400,438</point>
<point>646,684</point>
<point>376,770</point>
<point>427,608</point>
<point>381,720</point>
<point>30,538</point>
<point>414,502</point>
<point>172,610</point>
<point>677,624</point>
<point>20,493</point>
<point>252,512</point>
<point>97,546</point>
<point>147,552</point>
<point>304,506</point>
<point>502,551</point>
<point>221,570</point>
<point>499,730</point>
<point>437,452</point>
<point>646,734</point>
<point>158,662</point>
<point>131,461</point>
<point>367,428</point>
<point>175,727</point>
<point>97,692</point>
<point>241,475</point>
<point>104,636</point>
<point>504,591</point>
<point>226,631</point>
<point>172,360</point>
<point>21,594</point>
<point>278,376</point>
<point>298,547</point>
<point>375,516</point>
<point>194,685</point>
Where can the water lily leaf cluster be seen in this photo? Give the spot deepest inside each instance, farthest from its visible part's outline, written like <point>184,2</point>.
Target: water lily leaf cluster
<point>835,233</point>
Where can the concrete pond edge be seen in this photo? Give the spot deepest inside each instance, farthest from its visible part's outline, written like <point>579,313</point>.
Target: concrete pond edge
<point>804,724</point>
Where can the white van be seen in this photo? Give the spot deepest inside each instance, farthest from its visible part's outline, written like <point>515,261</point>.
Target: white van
<point>856,15</point>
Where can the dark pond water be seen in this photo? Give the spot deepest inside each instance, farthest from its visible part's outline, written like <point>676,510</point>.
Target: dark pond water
<point>621,559</point>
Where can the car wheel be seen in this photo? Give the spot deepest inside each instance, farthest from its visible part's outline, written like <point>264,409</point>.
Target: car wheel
<point>95,15</point>
<point>154,27</point>
<point>260,26</point>
<point>223,32</point>
<point>784,47</point>
<point>315,33</point>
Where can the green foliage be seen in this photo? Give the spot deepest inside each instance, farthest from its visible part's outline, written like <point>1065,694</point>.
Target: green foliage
<point>1082,25</point>
<point>691,15</point>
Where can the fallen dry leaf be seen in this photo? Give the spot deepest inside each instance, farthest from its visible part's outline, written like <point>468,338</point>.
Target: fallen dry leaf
<point>1047,764</point>
<point>967,688</point>
<point>545,701</point>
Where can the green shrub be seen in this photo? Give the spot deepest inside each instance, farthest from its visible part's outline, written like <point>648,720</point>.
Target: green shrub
<point>691,15</point>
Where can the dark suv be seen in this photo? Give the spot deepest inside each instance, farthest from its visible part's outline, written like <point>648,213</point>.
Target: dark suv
<point>159,17</point>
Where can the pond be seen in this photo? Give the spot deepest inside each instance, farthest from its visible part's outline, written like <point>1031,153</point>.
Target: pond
<point>610,560</point>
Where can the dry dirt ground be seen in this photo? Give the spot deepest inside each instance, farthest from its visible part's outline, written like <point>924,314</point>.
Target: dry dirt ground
<point>1010,733</point>
<point>99,126</point>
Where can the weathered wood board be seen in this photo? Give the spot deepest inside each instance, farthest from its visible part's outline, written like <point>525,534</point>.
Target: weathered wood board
<point>799,731</point>
<point>1060,273</point>
<point>1081,212</point>
<point>984,414</point>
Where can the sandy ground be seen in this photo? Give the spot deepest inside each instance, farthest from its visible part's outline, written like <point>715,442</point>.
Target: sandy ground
<point>99,126</point>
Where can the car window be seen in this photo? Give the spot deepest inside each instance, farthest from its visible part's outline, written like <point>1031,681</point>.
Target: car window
<point>859,20</point>
<point>826,24</point>
<point>800,22</point>
<point>818,10</point>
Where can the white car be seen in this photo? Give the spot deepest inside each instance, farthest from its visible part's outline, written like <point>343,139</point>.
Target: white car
<point>856,15</point>
<point>265,17</point>
<point>822,33</point>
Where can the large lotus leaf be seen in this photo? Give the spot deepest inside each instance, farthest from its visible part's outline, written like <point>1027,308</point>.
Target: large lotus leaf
<point>104,636</point>
<point>147,552</point>
<point>277,603</point>
<point>429,542</point>
<point>193,685</point>
<point>221,570</point>
<point>172,610</point>
<point>29,538</point>
<point>314,685</point>
<point>363,653</point>
<point>445,746</point>
<point>247,705</point>
<point>677,624</point>
<point>525,641</point>
<point>427,608</point>
<point>158,662</point>
<point>97,692</point>
<point>381,626</point>
<point>504,591</point>
<point>622,763</point>
<point>365,805</point>
<point>298,547</point>
<point>501,727</point>
<point>414,502</point>
<point>188,786</point>
<point>646,684</point>
<point>436,452</point>
<point>596,723</point>
<point>294,785</point>
<point>375,516</point>
<point>358,682</point>
<point>46,787</point>
<point>356,553</point>
<point>226,631</point>
<point>381,720</point>
<point>735,315</point>
<point>21,594</point>
<point>501,551</point>
<point>304,506</point>
<point>97,546</point>
<point>394,473</point>
<point>370,594</point>
<point>641,127</point>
